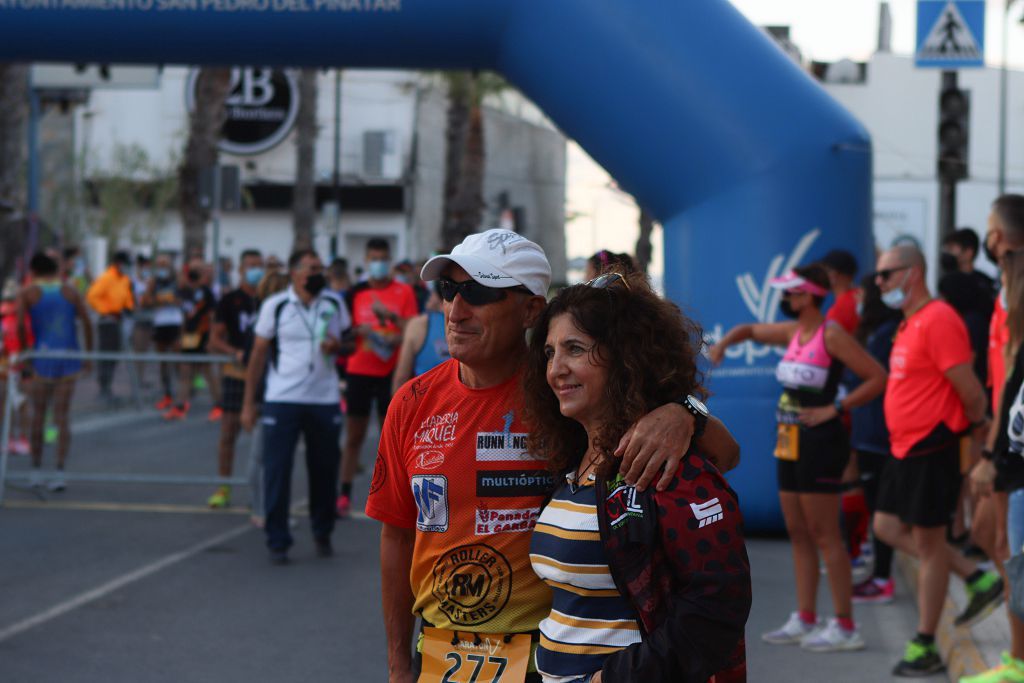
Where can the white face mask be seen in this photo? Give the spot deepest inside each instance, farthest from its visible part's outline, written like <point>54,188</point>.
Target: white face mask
<point>895,298</point>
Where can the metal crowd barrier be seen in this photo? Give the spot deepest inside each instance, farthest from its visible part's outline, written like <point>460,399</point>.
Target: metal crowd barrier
<point>131,359</point>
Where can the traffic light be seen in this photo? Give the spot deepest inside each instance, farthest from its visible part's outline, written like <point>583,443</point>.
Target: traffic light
<point>954,123</point>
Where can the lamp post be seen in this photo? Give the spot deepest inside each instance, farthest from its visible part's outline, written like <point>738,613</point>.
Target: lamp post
<point>1002,98</point>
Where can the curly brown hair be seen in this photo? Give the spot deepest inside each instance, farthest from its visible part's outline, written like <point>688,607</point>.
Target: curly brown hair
<point>647,344</point>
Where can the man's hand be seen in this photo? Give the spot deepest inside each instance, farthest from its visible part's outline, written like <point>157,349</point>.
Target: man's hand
<point>983,476</point>
<point>330,346</point>
<point>248,417</point>
<point>660,438</point>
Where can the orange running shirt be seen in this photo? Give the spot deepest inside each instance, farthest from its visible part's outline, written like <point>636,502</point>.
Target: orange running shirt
<point>453,465</point>
<point>918,396</point>
<point>376,354</point>
<point>998,338</point>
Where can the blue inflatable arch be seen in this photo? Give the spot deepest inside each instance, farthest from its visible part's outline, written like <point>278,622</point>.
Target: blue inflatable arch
<point>748,164</point>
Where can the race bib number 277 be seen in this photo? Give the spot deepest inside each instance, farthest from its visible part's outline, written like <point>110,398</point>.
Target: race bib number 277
<point>463,657</point>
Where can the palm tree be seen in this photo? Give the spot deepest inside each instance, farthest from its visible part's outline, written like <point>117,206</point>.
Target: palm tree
<point>466,153</point>
<point>205,122</point>
<point>13,122</point>
<point>306,130</point>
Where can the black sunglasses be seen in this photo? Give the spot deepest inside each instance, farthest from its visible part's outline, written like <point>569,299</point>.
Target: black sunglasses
<point>474,293</point>
<point>606,280</point>
<point>887,273</point>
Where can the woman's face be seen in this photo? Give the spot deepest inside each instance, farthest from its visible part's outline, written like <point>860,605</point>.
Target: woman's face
<point>574,372</point>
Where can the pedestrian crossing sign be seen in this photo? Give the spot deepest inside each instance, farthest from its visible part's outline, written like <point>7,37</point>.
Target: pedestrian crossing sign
<point>950,33</point>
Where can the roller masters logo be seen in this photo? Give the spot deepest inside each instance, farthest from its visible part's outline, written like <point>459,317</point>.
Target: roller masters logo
<point>763,303</point>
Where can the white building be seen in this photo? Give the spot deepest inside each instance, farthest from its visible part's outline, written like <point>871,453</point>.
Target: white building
<point>392,163</point>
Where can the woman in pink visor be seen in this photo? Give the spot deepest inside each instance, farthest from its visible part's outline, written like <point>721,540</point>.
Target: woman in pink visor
<point>812,449</point>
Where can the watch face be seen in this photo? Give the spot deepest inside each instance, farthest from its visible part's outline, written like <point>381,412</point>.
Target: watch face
<point>701,408</point>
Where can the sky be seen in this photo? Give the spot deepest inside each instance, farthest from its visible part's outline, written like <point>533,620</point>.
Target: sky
<point>824,30</point>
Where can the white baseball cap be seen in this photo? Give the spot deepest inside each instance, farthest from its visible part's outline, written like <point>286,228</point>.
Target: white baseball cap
<point>497,258</point>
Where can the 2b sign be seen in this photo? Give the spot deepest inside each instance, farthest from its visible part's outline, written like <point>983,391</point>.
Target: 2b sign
<point>261,108</point>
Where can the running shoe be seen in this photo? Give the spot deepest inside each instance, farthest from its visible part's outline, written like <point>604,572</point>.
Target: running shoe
<point>221,498</point>
<point>1011,670</point>
<point>861,568</point>
<point>832,638</point>
<point>215,414</point>
<point>19,446</point>
<point>984,594</point>
<point>177,413</point>
<point>791,633</point>
<point>35,479</point>
<point>919,661</point>
<point>874,591</point>
<point>57,482</point>
<point>324,547</point>
<point>343,506</point>
<point>165,403</point>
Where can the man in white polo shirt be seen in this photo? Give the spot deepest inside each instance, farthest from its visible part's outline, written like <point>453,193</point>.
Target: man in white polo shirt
<point>298,332</point>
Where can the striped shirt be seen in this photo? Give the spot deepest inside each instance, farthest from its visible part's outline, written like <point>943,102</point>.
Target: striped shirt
<point>589,618</point>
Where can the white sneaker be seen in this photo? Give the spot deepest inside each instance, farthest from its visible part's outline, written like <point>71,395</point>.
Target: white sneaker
<point>35,479</point>
<point>832,638</point>
<point>791,633</point>
<point>57,482</point>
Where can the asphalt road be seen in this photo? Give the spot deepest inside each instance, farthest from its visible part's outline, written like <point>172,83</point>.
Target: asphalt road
<point>119,582</point>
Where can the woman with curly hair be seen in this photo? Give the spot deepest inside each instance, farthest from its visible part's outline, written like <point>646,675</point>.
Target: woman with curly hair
<point>651,586</point>
<point>812,449</point>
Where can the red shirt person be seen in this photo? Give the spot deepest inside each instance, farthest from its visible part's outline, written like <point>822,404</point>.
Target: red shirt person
<point>380,308</point>
<point>932,397</point>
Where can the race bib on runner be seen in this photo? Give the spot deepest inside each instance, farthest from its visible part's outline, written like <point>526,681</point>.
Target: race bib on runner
<point>464,657</point>
<point>787,447</point>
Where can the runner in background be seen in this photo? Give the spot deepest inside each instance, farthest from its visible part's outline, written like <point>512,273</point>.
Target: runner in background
<point>142,321</point>
<point>51,309</point>
<point>110,295</point>
<point>161,299</point>
<point>812,449</point>
<point>11,371</point>
<point>232,336</point>
<point>423,345</point>
<point>197,305</point>
<point>380,308</point>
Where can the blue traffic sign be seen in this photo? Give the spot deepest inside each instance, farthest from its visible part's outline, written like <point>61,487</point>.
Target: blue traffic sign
<point>950,34</point>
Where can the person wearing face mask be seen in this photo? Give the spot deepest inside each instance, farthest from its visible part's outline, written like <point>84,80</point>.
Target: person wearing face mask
<point>970,292</point>
<point>380,307</point>
<point>161,299</point>
<point>232,336</point>
<point>298,332</point>
<point>813,449</point>
<point>197,305</point>
<point>142,327</point>
<point>932,402</point>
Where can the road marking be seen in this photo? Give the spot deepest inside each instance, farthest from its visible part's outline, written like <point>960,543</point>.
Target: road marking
<point>118,583</point>
<point>85,598</point>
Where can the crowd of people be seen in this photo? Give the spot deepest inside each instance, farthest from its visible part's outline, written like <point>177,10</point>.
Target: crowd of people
<point>884,415</point>
<point>578,463</point>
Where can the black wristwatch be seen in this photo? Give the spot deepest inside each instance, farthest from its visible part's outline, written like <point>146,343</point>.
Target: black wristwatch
<point>699,411</point>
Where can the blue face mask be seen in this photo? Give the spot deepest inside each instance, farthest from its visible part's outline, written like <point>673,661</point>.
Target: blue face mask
<point>253,276</point>
<point>163,273</point>
<point>378,270</point>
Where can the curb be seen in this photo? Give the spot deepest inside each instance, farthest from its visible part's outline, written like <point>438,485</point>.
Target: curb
<point>956,645</point>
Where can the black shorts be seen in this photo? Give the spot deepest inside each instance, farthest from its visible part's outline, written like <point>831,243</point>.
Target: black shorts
<point>362,391</point>
<point>922,490</point>
<point>824,451</point>
<point>166,334</point>
<point>232,394</point>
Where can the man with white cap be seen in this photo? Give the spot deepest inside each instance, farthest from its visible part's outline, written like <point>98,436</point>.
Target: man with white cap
<point>455,488</point>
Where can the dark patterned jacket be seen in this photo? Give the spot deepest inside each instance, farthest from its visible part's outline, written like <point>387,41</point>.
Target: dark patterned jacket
<point>679,557</point>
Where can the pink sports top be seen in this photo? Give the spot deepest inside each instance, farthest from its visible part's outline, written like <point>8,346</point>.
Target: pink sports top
<point>808,373</point>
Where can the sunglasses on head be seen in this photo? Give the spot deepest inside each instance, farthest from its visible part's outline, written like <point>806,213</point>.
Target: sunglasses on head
<point>887,273</point>
<point>474,293</point>
<point>606,280</point>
